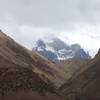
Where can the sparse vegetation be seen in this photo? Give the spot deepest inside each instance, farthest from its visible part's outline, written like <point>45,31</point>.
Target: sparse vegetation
<point>16,79</point>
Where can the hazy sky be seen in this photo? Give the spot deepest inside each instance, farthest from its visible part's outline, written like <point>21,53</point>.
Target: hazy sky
<point>74,21</point>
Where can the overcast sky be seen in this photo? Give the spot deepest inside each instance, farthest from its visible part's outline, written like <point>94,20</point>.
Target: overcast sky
<point>74,21</point>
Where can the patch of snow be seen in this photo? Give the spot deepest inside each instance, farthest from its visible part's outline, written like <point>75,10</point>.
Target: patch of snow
<point>40,49</point>
<point>50,49</point>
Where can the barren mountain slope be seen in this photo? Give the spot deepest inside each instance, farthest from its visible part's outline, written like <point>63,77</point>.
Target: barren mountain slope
<point>12,52</point>
<point>72,66</point>
<point>25,72</point>
<point>86,85</point>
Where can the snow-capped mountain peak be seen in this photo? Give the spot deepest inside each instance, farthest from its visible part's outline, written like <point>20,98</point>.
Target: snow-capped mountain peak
<point>58,50</point>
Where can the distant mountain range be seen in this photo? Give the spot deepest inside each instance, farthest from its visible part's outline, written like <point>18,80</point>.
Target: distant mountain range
<point>57,50</point>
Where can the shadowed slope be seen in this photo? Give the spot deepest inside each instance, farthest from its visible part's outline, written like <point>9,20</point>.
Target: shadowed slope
<point>86,85</point>
<point>23,72</point>
<point>16,55</point>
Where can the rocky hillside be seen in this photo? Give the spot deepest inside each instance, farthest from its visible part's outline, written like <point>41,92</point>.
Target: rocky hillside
<point>25,75</point>
<point>26,72</point>
<point>12,52</point>
<point>17,79</point>
<point>72,66</point>
<point>86,84</point>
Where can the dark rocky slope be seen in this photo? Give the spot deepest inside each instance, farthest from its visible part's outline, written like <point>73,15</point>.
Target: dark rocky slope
<point>86,84</point>
<point>12,54</point>
<point>25,75</point>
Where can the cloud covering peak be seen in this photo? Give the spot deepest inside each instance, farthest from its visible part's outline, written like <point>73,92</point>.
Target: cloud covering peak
<point>75,21</point>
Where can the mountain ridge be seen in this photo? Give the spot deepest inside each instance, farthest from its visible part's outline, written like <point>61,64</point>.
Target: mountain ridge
<point>27,59</point>
<point>23,72</point>
<point>58,50</point>
<point>85,85</point>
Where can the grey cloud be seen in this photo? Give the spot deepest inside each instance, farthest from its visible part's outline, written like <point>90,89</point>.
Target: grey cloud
<point>51,13</point>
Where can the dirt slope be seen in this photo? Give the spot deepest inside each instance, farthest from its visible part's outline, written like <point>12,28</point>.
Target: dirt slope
<point>72,66</point>
<point>86,85</point>
<point>22,71</point>
<point>12,52</point>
